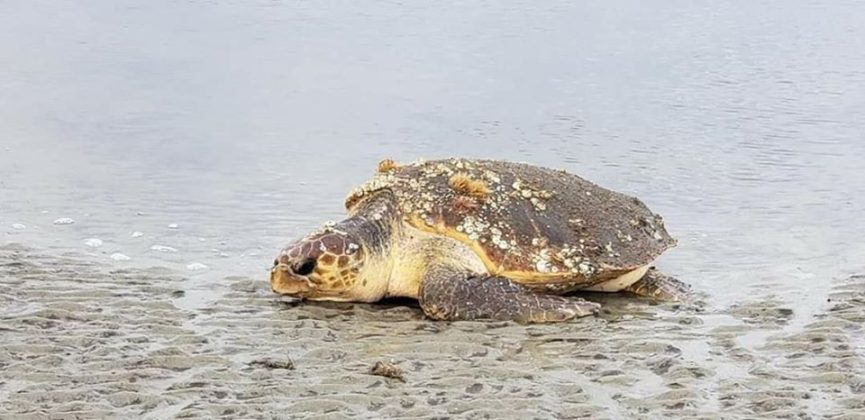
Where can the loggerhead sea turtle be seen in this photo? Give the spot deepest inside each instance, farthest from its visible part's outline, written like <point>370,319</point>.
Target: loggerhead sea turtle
<point>481,239</point>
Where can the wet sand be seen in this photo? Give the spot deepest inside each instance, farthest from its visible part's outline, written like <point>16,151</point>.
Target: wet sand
<point>86,340</point>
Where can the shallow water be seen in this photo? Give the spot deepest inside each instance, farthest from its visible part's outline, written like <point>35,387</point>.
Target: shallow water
<point>222,130</point>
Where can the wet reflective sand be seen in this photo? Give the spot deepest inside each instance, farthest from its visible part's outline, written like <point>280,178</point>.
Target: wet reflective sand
<point>75,344</point>
<point>153,159</point>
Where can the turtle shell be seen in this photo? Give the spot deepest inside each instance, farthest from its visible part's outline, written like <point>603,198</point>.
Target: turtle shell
<point>527,223</point>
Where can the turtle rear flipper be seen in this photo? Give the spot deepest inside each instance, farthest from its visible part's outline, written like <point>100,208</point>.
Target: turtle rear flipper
<point>448,293</point>
<point>657,285</point>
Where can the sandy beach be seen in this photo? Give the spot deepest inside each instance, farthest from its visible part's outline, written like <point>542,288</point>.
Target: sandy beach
<point>84,340</point>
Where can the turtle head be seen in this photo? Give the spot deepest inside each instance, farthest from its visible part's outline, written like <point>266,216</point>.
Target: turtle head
<point>322,266</point>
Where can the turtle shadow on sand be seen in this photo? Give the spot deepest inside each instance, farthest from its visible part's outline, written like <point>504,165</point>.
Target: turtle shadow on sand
<point>614,307</point>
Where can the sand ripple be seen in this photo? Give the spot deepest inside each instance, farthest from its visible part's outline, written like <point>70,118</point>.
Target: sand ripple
<point>87,340</point>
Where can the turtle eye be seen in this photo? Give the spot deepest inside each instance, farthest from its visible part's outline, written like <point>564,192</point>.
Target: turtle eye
<point>306,267</point>
<point>276,262</point>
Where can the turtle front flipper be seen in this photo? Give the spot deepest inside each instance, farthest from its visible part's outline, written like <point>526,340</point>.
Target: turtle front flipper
<point>448,293</point>
<point>657,285</point>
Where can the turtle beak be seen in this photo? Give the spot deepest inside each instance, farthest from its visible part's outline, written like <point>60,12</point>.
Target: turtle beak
<point>284,282</point>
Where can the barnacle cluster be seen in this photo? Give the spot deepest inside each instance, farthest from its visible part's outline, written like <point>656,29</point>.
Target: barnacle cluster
<point>476,200</point>
<point>650,225</point>
<point>573,258</point>
<point>537,197</point>
<point>378,182</point>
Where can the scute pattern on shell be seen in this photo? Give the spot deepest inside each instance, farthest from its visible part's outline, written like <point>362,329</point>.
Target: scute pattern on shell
<point>537,225</point>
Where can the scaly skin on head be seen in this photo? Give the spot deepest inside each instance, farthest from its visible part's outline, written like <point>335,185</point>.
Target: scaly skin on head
<point>345,261</point>
<point>371,255</point>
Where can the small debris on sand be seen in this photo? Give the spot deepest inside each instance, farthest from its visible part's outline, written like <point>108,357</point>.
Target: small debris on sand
<point>388,370</point>
<point>273,363</point>
<point>64,221</point>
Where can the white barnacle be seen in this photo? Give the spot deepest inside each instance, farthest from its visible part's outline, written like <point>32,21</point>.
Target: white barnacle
<point>492,177</point>
<point>585,268</point>
<point>321,247</point>
<point>526,193</point>
<point>609,247</point>
<point>542,266</point>
<point>327,226</point>
<point>544,254</point>
<point>542,263</point>
<point>623,237</point>
<point>477,225</point>
<point>444,169</point>
<point>352,248</point>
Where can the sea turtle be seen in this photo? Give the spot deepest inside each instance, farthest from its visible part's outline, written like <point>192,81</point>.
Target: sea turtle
<point>481,239</point>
